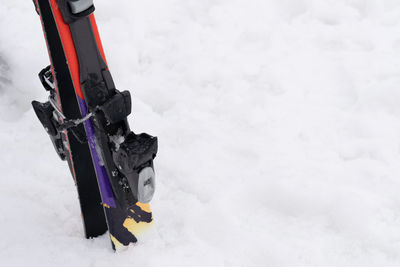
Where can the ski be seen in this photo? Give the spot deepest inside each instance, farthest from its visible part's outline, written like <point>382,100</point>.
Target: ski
<point>86,119</point>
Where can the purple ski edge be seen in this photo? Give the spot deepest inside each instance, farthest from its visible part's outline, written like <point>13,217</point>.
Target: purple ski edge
<point>101,173</point>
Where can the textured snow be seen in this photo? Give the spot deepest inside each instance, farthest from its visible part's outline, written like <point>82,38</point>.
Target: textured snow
<point>279,129</point>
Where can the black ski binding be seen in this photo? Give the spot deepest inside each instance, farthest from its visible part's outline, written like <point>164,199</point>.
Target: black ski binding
<point>134,160</point>
<point>45,113</point>
<point>53,120</point>
<point>118,107</point>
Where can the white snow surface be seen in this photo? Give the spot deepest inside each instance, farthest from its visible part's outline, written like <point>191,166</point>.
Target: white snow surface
<point>278,125</point>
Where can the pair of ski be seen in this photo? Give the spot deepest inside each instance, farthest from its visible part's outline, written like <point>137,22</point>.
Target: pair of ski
<point>86,119</point>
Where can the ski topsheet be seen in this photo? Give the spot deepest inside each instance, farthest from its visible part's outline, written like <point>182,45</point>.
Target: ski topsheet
<point>86,118</point>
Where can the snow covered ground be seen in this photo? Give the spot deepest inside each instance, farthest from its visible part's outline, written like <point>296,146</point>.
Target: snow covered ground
<point>279,129</point>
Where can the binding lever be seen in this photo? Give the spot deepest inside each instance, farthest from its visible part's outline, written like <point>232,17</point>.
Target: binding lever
<point>47,80</point>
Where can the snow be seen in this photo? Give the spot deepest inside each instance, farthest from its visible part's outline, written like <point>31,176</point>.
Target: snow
<point>279,131</point>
